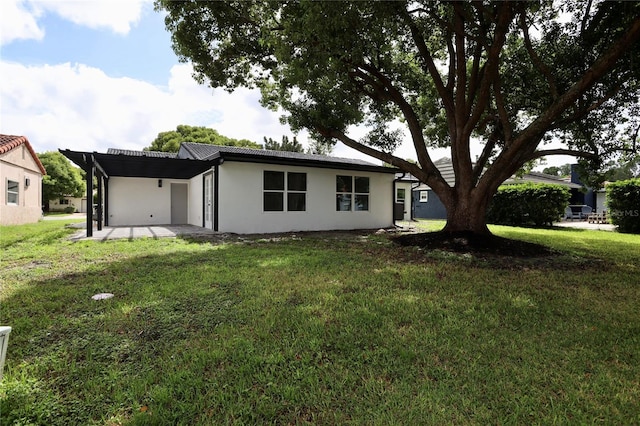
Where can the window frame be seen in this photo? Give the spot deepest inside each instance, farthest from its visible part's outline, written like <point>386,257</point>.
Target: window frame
<point>287,195</point>
<point>352,194</point>
<point>11,192</point>
<point>424,196</point>
<point>404,195</point>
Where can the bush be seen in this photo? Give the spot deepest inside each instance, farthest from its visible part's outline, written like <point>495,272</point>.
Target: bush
<point>69,209</point>
<point>528,203</point>
<point>623,201</point>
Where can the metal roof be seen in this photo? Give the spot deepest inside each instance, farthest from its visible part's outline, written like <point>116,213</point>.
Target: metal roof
<point>538,177</point>
<point>127,164</point>
<point>235,153</point>
<point>195,158</point>
<point>155,154</point>
<point>445,166</point>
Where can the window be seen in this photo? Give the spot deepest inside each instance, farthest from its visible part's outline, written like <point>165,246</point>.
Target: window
<point>63,201</point>
<point>400,194</point>
<point>352,193</point>
<point>296,192</point>
<point>424,196</point>
<point>275,192</point>
<point>13,190</point>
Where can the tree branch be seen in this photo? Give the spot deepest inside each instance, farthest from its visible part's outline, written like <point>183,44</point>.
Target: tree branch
<point>484,157</point>
<point>581,113</point>
<point>585,18</point>
<point>548,152</point>
<point>530,137</point>
<point>503,116</point>
<point>409,114</point>
<point>429,175</point>
<point>542,67</point>
<point>505,16</point>
<point>429,63</point>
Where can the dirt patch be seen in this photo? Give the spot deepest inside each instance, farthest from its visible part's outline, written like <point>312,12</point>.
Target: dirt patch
<point>493,252</point>
<point>473,243</point>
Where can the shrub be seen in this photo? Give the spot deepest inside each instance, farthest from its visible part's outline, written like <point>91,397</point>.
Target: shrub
<point>69,209</point>
<point>623,201</point>
<point>528,203</point>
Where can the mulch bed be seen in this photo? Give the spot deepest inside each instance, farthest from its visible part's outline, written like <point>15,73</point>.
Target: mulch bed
<point>474,244</point>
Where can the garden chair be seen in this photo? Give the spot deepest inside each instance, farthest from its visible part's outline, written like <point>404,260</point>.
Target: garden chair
<point>4,342</point>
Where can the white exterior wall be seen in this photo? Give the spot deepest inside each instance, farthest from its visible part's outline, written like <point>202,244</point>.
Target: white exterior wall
<point>139,201</point>
<point>18,165</point>
<point>79,203</point>
<point>240,200</point>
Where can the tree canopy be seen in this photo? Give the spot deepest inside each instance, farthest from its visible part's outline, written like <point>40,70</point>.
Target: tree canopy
<point>515,76</point>
<point>170,141</point>
<point>62,178</point>
<point>291,145</point>
<point>564,170</point>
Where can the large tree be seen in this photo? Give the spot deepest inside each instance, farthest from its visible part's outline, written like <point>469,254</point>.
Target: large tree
<point>512,76</point>
<point>62,178</point>
<point>170,141</point>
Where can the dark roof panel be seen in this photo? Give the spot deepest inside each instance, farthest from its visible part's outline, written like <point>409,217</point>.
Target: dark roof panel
<point>152,154</point>
<point>235,153</point>
<point>195,158</point>
<point>138,165</point>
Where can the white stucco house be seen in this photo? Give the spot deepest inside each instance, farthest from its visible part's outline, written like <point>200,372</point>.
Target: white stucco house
<point>20,181</point>
<point>78,204</point>
<point>238,190</point>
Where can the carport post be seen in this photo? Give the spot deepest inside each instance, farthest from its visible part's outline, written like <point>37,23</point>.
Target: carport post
<point>99,208</point>
<point>89,172</point>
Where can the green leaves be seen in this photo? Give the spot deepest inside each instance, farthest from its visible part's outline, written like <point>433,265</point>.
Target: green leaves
<point>512,75</point>
<point>170,141</point>
<point>62,179</point>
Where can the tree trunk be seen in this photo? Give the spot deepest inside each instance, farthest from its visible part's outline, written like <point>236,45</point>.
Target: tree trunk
<point>467,213</point>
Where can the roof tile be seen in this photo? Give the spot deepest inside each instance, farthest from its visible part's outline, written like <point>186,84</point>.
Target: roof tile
<point>9,142</point>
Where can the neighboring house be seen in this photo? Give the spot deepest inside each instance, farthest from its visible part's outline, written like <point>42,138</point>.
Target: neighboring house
<point>404,186</point>
<point>427,205</point>
<point>20,181</point>
<point>79,204</point>
<point>239,190</point>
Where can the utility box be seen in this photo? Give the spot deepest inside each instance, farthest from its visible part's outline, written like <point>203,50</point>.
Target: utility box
<point>4,343</point>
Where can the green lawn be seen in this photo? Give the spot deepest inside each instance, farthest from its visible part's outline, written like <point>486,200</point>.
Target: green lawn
<point>318,330</point>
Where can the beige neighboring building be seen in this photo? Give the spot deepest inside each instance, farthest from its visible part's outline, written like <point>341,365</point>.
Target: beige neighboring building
<point>20,181</point>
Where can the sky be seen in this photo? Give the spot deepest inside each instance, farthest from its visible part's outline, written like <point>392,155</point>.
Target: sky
<point>88,75</point>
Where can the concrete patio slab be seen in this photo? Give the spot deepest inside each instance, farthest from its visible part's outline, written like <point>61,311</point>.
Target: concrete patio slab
<point>131,232</point>
<point>581,224</point>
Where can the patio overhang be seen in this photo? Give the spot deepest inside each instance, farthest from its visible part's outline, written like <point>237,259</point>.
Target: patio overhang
<point>106,166</point>
<point>111,165</point>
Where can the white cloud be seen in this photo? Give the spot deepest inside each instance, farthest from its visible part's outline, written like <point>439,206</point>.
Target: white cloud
<point>115,15</point>
<point>81,108</point>
<point>20,19</point>
<point>19,22</point>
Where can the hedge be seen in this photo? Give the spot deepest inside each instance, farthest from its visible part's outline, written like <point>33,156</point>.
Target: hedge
<point>623,203</point>
<point>528,204</point>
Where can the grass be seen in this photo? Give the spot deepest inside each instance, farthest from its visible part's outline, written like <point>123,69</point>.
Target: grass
<point>318,330</point>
